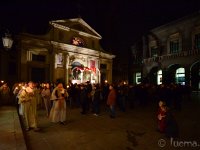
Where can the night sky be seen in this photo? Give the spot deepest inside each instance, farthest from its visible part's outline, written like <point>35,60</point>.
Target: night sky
<point>120,22</point>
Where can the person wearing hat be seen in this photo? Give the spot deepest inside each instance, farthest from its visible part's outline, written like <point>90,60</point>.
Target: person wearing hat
<point>161,116</point>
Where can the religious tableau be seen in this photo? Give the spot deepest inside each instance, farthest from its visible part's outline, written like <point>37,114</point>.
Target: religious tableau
<point>76,74</point>
<point>78,41</point>
<point>86,75</point>
<point>80,72</point>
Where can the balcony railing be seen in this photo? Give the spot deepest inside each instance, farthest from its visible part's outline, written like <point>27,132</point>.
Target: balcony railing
<point>172,56</point>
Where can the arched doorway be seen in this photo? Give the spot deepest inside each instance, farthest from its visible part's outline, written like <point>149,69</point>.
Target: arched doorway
<point>153,75</point>
<point>81,74</point>
<point>174,74</point>
<point>76,74</point>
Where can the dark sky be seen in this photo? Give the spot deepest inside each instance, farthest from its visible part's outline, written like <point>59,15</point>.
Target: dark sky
<point>120,22</point>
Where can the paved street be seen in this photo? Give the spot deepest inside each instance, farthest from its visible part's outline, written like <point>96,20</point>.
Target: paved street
<point>12,137</point>
<point>131,130</point>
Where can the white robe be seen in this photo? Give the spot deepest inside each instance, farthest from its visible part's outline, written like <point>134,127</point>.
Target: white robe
<point>46,94</point>
<point>58,110</point>
<point>28,102</point>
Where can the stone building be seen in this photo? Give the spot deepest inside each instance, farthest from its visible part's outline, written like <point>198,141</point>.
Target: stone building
<point>69,51</point>
<point>171,53</point>
<point>8,62</point>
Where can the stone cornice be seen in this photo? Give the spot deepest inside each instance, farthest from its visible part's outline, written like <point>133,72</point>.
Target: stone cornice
<point>36,42</point>
<point>60,26</point>
<point>82,50</point>
<point>105,55</point>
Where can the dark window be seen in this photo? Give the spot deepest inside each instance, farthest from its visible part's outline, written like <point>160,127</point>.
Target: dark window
<point>174,47</point>
<point>197,41</point>
<point>38,74</point>
<point>38,58</point>
<point>154,52</point>
<point>103,66</point>
<point>12,68</point>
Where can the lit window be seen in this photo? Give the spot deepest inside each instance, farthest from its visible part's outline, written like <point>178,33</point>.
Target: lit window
<point>159,77</point>
<point>180,76</point>
<point>138,77</point>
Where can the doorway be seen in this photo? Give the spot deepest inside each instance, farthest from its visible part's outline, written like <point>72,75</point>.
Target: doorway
<point>37,74</point>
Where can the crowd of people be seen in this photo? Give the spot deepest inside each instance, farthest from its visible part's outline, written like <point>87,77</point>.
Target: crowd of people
<point>54,98</point>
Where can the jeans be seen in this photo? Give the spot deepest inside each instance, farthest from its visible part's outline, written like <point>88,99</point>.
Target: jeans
<point>112,111</point>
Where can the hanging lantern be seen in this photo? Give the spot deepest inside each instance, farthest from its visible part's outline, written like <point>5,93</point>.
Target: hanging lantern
<point>7,41</point>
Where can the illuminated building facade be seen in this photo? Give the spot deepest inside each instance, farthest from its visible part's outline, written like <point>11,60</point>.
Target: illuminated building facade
<point>70,51</point>
<point>171,53</point>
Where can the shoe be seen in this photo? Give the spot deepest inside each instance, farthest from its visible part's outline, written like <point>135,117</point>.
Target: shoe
<point>36,129</point>
<point>112,117</point>
<point>62,123</point>
<point>83,113</point>
<point>95,114</point>
<point>27,129</point>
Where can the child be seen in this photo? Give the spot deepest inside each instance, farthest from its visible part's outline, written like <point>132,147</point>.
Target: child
<point>161,116</point>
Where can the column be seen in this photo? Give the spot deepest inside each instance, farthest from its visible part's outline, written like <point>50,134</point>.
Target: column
<point>187,76</point>
<point>164,76</point>
<point>81,76</point>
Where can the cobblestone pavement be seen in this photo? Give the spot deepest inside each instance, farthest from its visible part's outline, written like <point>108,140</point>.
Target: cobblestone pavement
<point>131,130</point>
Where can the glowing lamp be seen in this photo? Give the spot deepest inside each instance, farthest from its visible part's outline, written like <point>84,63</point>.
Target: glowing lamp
<point>7,41</point>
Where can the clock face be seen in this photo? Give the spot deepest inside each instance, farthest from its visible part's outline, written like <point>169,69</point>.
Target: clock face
<point>77,41</point>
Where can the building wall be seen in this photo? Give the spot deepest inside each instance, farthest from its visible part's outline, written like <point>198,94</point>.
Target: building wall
<point>64,36</point>
<point>57,48</point>
<point>108,70</point>
<point>181,31</point>
<point>8,65</point>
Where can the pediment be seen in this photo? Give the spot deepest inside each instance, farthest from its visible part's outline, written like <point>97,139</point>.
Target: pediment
<point>77,24</point>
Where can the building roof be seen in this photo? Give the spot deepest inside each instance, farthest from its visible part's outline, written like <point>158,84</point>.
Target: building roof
<point>179,20</point>
<point>77,24</point>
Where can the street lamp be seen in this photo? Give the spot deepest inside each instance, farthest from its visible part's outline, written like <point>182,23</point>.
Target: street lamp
<point>4,56</point>
<point>7,41</point>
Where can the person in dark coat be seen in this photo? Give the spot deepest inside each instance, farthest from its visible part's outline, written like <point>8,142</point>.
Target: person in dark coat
<point>111,101</point>
<point>83,99</point>
<point>171,130</point>
<point>96,98</point>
